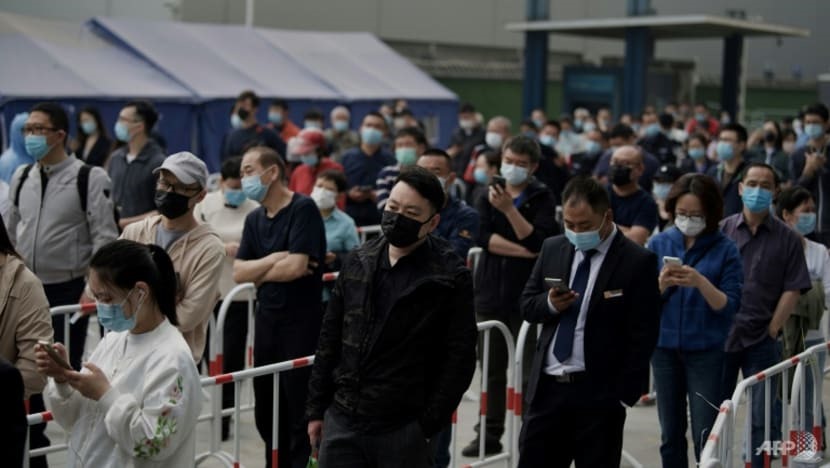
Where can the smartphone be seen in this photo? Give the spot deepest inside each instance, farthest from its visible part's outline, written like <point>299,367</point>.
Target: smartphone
<point>557,285</point>
<point>672,261</point>
<point>47,346</point>
<point>500,181</point>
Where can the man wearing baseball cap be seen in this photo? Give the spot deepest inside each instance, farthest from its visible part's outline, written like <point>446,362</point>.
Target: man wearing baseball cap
<point>310,146</point>
<point>196,250</point>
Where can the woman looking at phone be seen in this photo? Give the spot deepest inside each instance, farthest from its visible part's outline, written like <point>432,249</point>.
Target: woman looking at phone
<point>701,288</point>
<point>136,401</point>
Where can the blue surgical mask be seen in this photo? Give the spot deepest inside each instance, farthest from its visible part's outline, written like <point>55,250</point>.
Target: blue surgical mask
<point>254,188</point>
<point>36,146</point>
<point>589,127</point>
<point>309,159</point>
<point>341,125</point>
<point>547,140</point>
<point>112,316</point>
<point>697,153</point>
<point>89,127</point>
<point>313,124</point>
<point>371,136</point>
<point>700,117</point>
<point>236,121</point>
<point>756,199</point>
<point>406,156</point>
<point>725,151</point>
<point>539,123</point>
<point>652,130</point>
<point>813,130</point>
<point>122,133</point>
<point>235,197</point>
<point>806,223</point>
<point>585,240</point>
<point>661,190</point>
<point>275,118</point>
<point>514,175</point>
<point>592,147</point>
<point>480,175</point>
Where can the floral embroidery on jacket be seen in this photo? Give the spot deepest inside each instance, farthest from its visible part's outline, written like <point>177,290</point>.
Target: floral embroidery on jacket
<point>165,426</point>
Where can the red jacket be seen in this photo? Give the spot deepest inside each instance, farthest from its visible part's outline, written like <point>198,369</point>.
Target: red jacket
<point>303,178</point>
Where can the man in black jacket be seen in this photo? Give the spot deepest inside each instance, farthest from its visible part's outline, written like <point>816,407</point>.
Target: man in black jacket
<point>397,346</point>
<point>515,220</point>
<point>600,325</point>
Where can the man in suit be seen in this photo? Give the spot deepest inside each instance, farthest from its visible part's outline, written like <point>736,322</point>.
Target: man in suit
<point>593,355</point>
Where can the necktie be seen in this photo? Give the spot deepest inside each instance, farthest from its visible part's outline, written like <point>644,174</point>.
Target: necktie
<point>564,344</point>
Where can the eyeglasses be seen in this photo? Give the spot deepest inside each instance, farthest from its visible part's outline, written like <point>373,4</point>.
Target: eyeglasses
<point>175,188</point>
<point>36,130</point>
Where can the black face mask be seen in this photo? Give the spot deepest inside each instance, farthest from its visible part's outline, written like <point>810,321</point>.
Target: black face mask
<point>620,175</point>
<point>770,137</point>
<point>243,114</point>
<point>401,231</point>
<point>171,204</point>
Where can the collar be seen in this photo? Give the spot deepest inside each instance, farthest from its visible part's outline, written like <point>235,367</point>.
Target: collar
<point>52,170</point>
<point>603,246</point>
<point>767,223</point>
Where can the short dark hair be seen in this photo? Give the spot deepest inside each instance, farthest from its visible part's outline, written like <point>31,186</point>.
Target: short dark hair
<point>279,103</point>
<point>739,130</point>
<point>313,114</point>
<point>699,137</point>
<point>706,190</point>
<point>425,183</point>
<point>524,145</point>
<point>248,95</point>
<point>123,263</point>
<point>466,108</point>
<point>375,114</point>
<point>492,157</point>
<point>818,109</point>
<point>57,115</point>
<point>751,165</point>
<point>666,120</point>
<point>269,157</point>
<point>438,153</point>
<point>588,190</point>
<point>413,132</point>
<point>792,198</point>
<point>337,177</point>
<point>146,113</point>
<point>621,130</point>
<point>552,123</point>
<point>231,168</point>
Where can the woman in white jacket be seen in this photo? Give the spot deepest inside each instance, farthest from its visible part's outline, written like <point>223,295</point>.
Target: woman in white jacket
<point>137,401</point>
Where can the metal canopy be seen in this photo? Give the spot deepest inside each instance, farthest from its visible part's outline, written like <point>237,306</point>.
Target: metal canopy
<point>661,27</point>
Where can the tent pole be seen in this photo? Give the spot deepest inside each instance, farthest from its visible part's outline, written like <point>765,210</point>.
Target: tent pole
<point>249,13</point>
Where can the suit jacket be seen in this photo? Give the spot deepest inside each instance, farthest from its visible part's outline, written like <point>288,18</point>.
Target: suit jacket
<point>620,331</point>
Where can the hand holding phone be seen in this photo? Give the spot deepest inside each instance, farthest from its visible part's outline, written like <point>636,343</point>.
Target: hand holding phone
<point>499,181</point>
<point>54,355</point>
<point>557,285</point>
<point>672,261</point>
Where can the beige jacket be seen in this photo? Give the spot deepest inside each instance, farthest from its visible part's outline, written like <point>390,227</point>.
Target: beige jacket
<point>24,319</point>
<point>197,257</point>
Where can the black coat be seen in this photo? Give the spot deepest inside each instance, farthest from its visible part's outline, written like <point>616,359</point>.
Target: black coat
<point>13,427</point>
<point>99,153</point>
<point>422,362</point>
<point>622,323</point>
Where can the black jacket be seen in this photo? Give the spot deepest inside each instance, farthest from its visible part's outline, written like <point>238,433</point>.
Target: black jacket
<point>622,322</point>
<point>420,365</point>
<point>500,280</point>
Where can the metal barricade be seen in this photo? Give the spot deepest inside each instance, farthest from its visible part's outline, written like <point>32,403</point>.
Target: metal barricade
<point>72,312</point>
<point>508,454</point>
<point>717,452</point>
<point>365,231</point>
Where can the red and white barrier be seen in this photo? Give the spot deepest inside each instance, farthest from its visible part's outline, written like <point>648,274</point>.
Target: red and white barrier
<point>365,231</point>
<point>72,312</point>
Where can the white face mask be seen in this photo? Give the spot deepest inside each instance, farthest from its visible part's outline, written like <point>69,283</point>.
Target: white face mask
<point>324,198</point>
<point>493,140</point>
<point>690,226</point>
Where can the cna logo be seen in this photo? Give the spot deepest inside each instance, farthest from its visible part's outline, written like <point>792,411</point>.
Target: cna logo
<point>803,446</point>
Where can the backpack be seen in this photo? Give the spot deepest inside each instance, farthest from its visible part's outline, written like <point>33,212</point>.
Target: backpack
<point>82,185</point>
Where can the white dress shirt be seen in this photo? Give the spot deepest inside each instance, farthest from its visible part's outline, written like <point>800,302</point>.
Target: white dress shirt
<point>576,362</point>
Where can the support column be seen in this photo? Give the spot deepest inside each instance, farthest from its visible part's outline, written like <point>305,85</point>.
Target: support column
<point>638,51</point>
<point>535,78</point>
<point>733,47</point>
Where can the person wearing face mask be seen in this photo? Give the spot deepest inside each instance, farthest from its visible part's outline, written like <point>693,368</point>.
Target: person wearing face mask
<point>810,169</point>
<point>362,166</point>
<point>131,166</point>
<point>410,143</point>
<point>246,131</point>
<point>663,181</point>
<point>703,122</point>
<point>729,172</point>
<point>584,162</point>
<point>392,372</point>
<point>700,298</point>
<point>311,146</point>
<point>93,145</point>
<point>465,138</point>
<point>138,397</point>
<point>341,231</point>
<point>599,328</point>
<point>340,137</point>
<point>283,252</point>
<point>313,120</point>
<point>498,132</point>
<point>657,139</point>
<point>515,219</point>
<point>553,170</point>
<point>788,138</point>
<point>15,155</point>
<point>765,146</point>
<point>279,122</point>
<point>487,166</point>
<point>775,275</point>
<point>796,207</point>
<point>196,249</point>
<point>635,210</point>
<point>696,161</point>
<point>569,142</point>
<point>224,210</point>
<point>624,135</point>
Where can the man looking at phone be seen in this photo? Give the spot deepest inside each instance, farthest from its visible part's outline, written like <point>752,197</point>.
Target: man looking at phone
<point>810,168</point>
<point>362,166</point>
<point>516,218</point>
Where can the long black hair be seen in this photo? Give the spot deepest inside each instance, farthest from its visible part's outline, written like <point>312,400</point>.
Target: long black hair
<point>123,263</point>
<point>99,123</point>
<point>6,246</point>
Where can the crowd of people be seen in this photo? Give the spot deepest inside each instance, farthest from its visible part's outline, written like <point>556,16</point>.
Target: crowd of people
<point>570,213</point>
